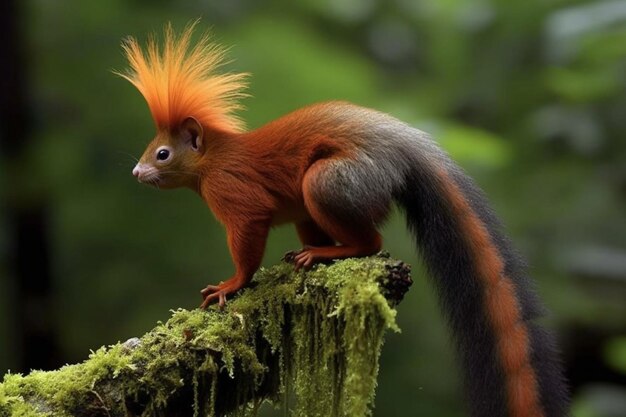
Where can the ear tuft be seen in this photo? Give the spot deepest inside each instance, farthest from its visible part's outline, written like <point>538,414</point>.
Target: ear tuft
<point>192,133</point>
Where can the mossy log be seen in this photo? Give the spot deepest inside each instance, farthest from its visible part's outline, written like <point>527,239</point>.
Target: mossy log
<point>307,341</point>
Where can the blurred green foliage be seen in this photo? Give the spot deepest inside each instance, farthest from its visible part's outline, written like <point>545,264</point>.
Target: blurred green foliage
<point>528,96</point>
<point>615,352</point>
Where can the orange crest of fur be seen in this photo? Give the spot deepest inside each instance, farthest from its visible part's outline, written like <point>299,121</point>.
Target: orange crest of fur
<point>178,80</point>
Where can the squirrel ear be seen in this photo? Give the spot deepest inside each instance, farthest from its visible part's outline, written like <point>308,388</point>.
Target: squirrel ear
<point>192,133</point>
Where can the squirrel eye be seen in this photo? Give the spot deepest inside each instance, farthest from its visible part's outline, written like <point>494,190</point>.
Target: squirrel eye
<point>163,154</point>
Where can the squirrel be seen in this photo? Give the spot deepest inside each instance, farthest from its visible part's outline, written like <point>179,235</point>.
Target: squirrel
<point>334,169</point>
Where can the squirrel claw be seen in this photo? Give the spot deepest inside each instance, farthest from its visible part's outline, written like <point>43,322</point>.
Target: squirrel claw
<point>304,260</point>
<point>290,257</point>
<point>209,289</point>
<point>212,292</point>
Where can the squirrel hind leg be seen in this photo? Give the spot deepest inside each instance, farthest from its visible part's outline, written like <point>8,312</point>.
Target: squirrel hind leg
<point>353,242</point>
<point>311,236</point>
<point>329,210</point>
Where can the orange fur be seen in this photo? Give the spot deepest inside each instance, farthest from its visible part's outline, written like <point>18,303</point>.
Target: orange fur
<point>178,81</point>
<point>502,308</point>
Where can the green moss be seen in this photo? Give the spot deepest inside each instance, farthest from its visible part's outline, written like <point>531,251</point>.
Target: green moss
<point>315,337</point>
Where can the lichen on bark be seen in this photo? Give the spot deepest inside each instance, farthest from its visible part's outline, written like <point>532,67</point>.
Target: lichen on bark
<point>307,341</point>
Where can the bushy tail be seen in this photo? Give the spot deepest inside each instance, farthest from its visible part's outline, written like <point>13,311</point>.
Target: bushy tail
<point>511,366</point>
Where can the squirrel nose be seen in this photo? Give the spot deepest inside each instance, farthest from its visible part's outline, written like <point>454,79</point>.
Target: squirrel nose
<point>136,171</point>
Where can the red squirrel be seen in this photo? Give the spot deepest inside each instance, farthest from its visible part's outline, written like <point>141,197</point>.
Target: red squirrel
<point>334,169</point>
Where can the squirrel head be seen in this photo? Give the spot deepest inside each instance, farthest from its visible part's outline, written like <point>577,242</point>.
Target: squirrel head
<point>187,100</point>
<point>173,157</point>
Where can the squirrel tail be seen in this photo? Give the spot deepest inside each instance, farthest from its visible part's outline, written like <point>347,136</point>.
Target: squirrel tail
<point>511,365</point>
